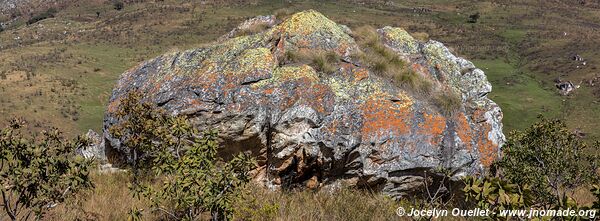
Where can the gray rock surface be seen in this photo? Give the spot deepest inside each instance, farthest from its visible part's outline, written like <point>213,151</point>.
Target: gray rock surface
<point>350,127</point>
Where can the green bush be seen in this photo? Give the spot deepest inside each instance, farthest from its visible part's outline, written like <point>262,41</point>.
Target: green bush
<point>38,173</point>
<point>495,194</point>
<point>170,151</point>
<point>552,160</point>
<point>473,18</point>
<point>44,15</point>
<point>118,5</point>
<point>596,191</point>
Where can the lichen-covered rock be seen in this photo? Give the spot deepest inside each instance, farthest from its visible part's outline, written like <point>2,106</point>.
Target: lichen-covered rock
<point>318,129</point>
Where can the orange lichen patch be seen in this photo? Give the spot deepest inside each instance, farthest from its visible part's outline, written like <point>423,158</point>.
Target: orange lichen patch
<point>433,125</point>
<point>360,74</point>
<point>383,117</point>
<point>488,151</point>
<point>478,138</point>
<point>269,91</point>
<point>464,131</point>
<point>319,97</point>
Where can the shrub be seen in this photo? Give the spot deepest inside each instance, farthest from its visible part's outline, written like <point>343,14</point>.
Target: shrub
<point>596,191</point>
<point>118,5</point>
<point>38,173</point>
<point>495,194</point>
<point>550,159</point>
<point>473,18</point>
<point>47,14</point>
<point>169,150</point>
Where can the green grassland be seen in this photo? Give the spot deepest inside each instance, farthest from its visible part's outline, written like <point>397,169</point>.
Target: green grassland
<point>60,71</point>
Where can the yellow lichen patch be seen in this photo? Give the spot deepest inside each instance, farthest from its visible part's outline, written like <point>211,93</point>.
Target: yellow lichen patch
<point>308,22</point>
<point>404,100</point>
<point>311,29</point>
<point>384,117</point>
<point>252,60</point>
<point>433,125</point>
<point>288,73</point>
<point>400,37</point>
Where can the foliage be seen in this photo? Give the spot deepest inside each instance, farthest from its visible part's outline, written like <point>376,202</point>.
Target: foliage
<point>473,18</point>
<point>495,194</point>
<point>118,5</point>
<point>44,15</point>
<point>38,173</point>
<point>550,159</point>
<point>170,150</point>
<point>596,192</point>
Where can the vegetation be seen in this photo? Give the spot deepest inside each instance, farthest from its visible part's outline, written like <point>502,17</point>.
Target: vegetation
<point>519,58</point>
<point>38,173</point>
<point>448,101</point>
<point>253,29</point>
<point>118,5</point>
<point>322,61</point>
<point>495,194</point>
<point>473,18</point>
<point>385,62</point>
<point>168,150</point>
<point>44,15</point>
<point>551,159</point>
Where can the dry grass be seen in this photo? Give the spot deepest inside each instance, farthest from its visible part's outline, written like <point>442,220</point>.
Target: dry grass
<point>385,62</point>
<point>346,204</point>
<point>449,102</point>
<point>322,61</point>
<point>110,200</point>
<point>282,13</point>
<point>253,29</point>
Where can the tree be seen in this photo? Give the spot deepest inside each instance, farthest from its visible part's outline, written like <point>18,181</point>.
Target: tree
<point>169,150</point>
<point>473,18</point>
<point>38,173</point>
<point>550,159</point>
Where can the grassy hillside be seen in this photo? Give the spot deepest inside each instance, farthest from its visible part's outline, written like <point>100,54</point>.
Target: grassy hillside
<point>60,70</point>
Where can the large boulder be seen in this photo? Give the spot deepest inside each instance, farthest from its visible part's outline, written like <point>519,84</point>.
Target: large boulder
<point>306,127</point>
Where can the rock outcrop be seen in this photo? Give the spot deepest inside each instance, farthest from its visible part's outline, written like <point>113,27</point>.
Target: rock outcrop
<point>316,129</point>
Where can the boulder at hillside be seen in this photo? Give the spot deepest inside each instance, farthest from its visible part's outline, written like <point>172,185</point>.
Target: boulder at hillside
<point>310,128</point>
